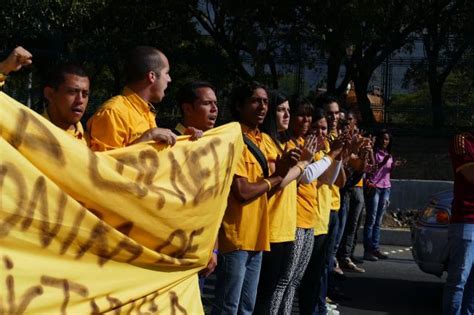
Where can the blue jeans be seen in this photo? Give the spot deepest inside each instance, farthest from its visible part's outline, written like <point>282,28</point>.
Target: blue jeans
<point>375,207</point>
<point>342,213</point>
<point>353,200</point>
<point>237,281</point>
<point>459,290</point>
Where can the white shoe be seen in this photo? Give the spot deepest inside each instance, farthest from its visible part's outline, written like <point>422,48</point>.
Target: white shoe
<point>331,307</point>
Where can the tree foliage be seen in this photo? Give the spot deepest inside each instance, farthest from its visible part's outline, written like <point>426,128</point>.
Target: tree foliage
<point>225,41</point>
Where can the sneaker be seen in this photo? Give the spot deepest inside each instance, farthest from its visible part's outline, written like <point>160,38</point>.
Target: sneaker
<point>348,265</point>
<point>377,253</point>
<point>338,269</point>
<point>330,306</point>
<point>370,256</point>
<point>356,260</point>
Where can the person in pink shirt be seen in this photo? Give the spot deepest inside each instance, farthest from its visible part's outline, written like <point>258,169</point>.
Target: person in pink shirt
<point>378,194</point>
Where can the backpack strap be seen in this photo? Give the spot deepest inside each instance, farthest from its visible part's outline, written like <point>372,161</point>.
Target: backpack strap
<point>257,153</point>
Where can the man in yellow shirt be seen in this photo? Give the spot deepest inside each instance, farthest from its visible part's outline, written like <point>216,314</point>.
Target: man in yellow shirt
<point>130,117</point>
<point>352,197</point>
<point>66,93</point>
<point>245,231</point>
<point>198,104</point>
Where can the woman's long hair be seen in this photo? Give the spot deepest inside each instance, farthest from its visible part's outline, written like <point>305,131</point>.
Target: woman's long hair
<point>378,144</point>
<point>269,125</point>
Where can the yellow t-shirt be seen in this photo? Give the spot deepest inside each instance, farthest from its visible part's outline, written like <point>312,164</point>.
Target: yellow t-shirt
<point>306,202</point>
<point>282,207</point>
<point>77,131</point>
<point>336,196</point>
<point>357,164</point>
<point>120,121</point>
<point>323,201</point>
<point>246,226</point>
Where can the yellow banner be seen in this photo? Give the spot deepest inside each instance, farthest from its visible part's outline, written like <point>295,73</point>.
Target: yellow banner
<point>121,232</point>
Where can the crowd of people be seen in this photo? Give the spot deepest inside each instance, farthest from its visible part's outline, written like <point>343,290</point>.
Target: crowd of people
<point>298,194</point>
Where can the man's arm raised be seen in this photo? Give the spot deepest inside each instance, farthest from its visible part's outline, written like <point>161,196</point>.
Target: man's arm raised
<point>17,59</point>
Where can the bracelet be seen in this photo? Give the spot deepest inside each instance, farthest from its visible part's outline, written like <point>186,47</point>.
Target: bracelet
<point>215,251</point>
<point>301,168</point>
<point>268,183</point>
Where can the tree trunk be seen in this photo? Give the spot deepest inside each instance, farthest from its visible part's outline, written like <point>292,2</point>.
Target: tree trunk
<point>437,103</point>
<point>333,64</point>
<point>361,82</point>
<point>274,73</point>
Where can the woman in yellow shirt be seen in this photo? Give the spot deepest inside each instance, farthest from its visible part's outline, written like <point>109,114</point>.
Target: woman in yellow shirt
<point>281,208</point>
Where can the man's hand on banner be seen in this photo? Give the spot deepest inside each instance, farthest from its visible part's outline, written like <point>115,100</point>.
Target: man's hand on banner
<point>158,135</point>
<point>194,133</point>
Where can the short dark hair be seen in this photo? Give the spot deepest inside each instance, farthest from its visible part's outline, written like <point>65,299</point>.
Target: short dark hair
<point>188,92</point>
<point>318,114</point>
<point>269,125</point>
<point>57,76</point>
<point>140,61</point>
<point>301,106</point>
<point>324,100</point>
<point>241,93</point>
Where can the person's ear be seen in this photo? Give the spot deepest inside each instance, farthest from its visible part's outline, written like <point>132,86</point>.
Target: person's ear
<point>48,93</point>
<point>187,108</point>
<point>151,76</point>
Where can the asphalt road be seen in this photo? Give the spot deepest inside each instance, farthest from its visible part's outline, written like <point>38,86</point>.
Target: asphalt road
<point>392,286</point>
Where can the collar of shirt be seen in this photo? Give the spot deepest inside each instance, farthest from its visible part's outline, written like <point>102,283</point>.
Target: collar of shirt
<point>333,134</point>
<point>139,103</point>
<point>380,154</point>
<point>75,130</point>
<point>252,134</point>
<point>180,128</point>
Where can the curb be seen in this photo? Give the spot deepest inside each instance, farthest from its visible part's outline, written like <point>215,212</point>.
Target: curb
<point>390,236</point>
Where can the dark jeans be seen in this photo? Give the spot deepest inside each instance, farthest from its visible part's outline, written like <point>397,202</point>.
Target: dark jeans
<point>329,261</point>
<point>353,200</point>
<point>341,225</point>
<point>309,291</point>
<point>274,265</point>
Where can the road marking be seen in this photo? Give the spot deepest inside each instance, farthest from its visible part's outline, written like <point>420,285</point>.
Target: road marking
<point>398,251</point>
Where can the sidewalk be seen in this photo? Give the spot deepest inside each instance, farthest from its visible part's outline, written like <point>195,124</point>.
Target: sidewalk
<point>390,236</point>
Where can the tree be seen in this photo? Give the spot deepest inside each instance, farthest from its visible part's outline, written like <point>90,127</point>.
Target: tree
<point>98,33</point>
<point>252,31</point>
<point>447,36</point>
<point>360,36</point>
